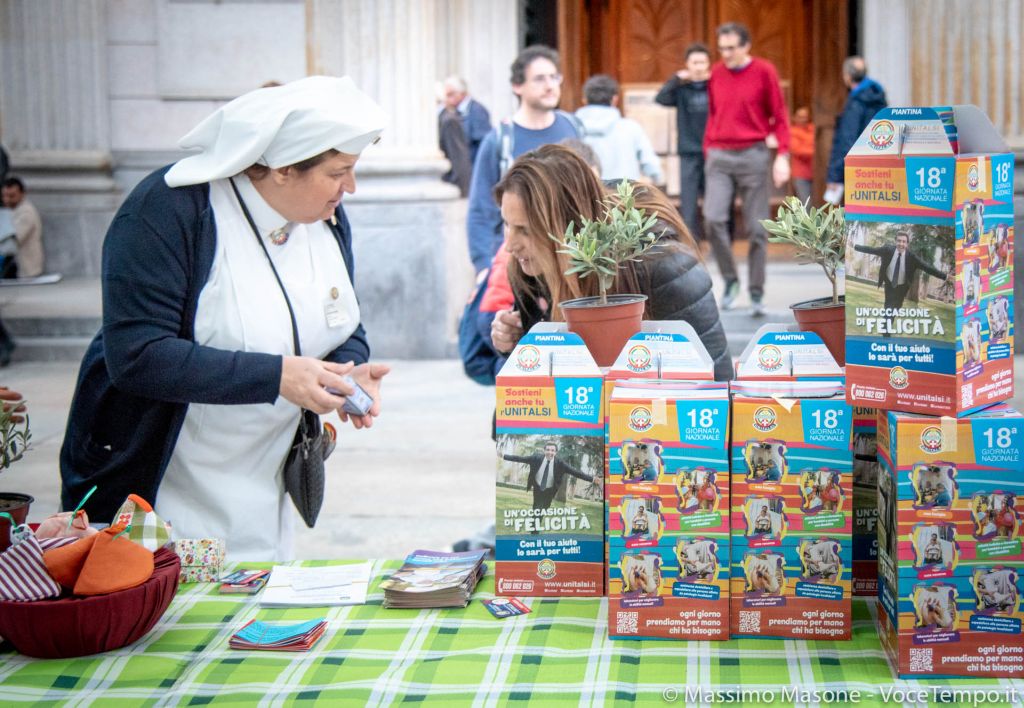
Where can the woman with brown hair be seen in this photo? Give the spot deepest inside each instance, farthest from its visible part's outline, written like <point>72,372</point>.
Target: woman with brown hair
<point>540,195</point>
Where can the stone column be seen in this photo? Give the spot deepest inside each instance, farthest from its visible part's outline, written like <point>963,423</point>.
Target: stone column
<point>471,29</point>
<point>53,114</point>
<point>887,33</point>
<point>408,225</point>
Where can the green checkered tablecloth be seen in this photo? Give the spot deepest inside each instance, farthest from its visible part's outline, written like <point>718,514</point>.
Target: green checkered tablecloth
<point>557,655</point>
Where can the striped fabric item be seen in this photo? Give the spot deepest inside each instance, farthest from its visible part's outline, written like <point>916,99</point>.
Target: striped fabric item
<point>48,544</point>
<point>23,576</point>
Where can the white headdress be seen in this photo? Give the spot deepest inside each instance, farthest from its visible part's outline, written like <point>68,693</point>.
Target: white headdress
<point>279,126</point>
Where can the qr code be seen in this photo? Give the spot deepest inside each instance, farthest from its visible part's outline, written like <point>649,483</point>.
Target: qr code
<point>967,395</point>
<point>627,622</point>
<point>750,622</point>
<point>921,661</point>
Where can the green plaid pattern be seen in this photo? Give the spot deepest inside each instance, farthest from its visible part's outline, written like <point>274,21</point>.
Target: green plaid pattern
<point>555,656</point>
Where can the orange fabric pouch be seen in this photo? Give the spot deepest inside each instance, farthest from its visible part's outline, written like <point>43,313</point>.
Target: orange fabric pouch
<point>114,563</point>
<point>64,564</point>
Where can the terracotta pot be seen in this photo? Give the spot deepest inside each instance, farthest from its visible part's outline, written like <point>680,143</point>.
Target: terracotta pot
<point>826,320</point>
<point>17,506</point>
<point>605,328</point>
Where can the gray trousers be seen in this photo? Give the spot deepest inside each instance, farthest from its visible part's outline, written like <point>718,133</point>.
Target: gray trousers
<point>802,188</point>
<point>727,172</point>
<point>691,188</point>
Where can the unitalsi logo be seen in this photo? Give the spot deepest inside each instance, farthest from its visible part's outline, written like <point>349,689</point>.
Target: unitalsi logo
<point>528,358</point>
<point>638,358</point>
<point>899,378</point>
<point>769,358</point>
<point>640,419</point>
<point>972,178</point>
<point>546,569</point>
<point>765,420</point>
<point>882,135</point>
<point>931,439</point>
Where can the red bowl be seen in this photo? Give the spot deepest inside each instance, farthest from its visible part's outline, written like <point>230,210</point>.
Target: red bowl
<point>77,626</point>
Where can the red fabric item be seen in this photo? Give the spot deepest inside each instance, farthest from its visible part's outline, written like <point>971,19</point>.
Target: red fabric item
<point>801,151</point>
<point>78,626</point>
<point>745,106</point>
<point>498,295</point>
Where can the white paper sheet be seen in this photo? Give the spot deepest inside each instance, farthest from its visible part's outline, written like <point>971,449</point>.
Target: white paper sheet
<point>325,586</point>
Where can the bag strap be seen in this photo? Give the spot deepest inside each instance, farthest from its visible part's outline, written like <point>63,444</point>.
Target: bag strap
<point>506,136</point>
<point>574,121</point>
<point>259,239</point>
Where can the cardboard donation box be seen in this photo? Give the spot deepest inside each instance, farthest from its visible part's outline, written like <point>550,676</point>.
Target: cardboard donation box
<point>668,492</point>
<point>550,499</point>
<point>929,263</point>
<point>775,354</point>
<point>792,499</point>
<point>949,543</point>
<point>865,502</point>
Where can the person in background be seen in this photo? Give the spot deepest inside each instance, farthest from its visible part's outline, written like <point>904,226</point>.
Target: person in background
<point>866,98</point>
<point>462,123</point>
<point>801,147</point>
<point>622,146</point>
<point>452,140</point>
<point>745,107</point>
<point>687,92</point>
<point>537,82</point>
<point>476,119</point>
<point>190,394</point>
<point>28,230</point>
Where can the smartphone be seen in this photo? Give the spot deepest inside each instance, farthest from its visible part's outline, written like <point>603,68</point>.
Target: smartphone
<point>359,403</point>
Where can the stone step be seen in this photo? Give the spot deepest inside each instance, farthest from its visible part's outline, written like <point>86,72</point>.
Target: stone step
<point>69,349</point>
<point>29,326</point>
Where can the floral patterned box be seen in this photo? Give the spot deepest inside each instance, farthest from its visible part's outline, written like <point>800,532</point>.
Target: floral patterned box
<point>202,559</point>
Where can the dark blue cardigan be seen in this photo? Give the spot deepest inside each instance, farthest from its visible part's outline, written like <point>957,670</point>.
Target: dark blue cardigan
<point>143,368</point>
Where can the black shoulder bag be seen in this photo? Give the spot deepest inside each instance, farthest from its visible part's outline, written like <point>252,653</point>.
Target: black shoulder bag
<point>304,467</point>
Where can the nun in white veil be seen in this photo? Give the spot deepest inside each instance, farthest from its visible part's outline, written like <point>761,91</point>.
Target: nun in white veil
<point>190,395</point>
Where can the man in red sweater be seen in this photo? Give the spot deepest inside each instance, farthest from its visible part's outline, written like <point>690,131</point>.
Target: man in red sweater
<point>745,106</point>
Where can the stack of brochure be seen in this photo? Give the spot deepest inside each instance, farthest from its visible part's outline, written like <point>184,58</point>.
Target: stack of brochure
<point>295,637</point>
<point>244,581</point>
<point>435,579</point>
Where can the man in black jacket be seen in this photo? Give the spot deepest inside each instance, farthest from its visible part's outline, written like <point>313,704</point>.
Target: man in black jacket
<point>867,97</point>
<point>896,273</point>
<point>687,92</point>
<point>546,474</point>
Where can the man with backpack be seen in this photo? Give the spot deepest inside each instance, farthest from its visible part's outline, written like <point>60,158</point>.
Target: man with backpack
<point>537,82</point>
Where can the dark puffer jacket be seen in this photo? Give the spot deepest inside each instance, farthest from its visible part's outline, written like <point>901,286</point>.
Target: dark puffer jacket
<point>677,287</point>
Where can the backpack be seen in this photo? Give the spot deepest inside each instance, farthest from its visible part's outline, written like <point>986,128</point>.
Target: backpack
<point>506,138</point>
<point>479,360</point>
